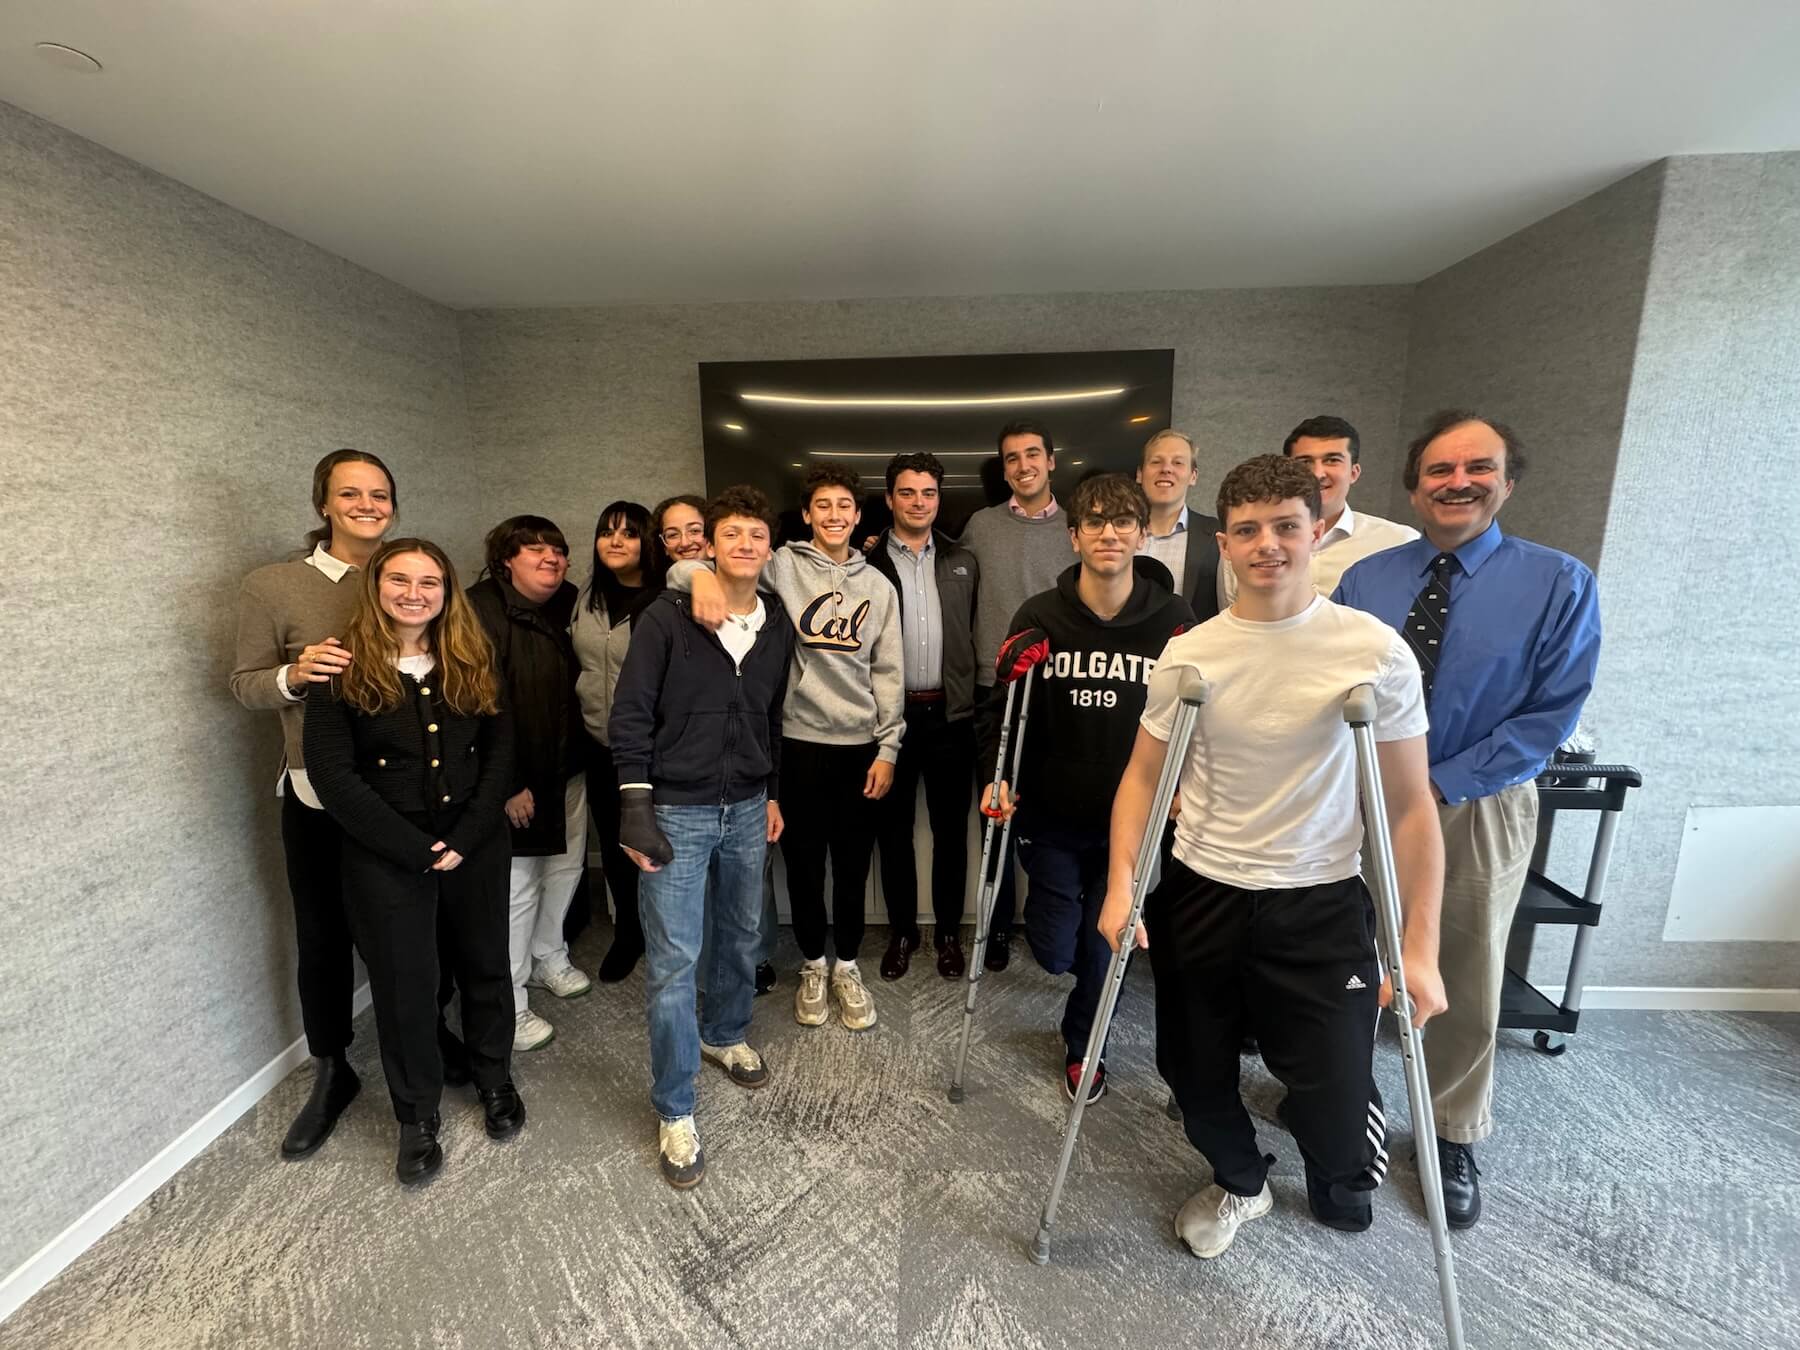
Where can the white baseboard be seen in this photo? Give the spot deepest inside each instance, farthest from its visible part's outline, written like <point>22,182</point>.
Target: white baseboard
<point>1676,999</point>
<point>54,1256</point>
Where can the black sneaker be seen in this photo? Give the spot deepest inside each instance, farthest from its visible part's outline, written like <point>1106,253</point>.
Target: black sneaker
<point>1072,1080</point>
<point>1462,1192</point>
<point>999,951</point>
<point>1339,1207</point>
<point>765,978</point>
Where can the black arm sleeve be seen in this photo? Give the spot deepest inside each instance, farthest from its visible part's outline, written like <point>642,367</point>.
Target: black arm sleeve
<point>329,748</point>
<point>483,812</point>
<point>631,729</point>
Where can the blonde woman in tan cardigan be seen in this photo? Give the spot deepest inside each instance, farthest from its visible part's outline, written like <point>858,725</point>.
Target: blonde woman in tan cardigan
<point>291,616</point>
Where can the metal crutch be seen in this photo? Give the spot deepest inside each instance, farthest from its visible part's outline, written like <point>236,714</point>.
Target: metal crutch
<point>1020,655</point>
<point>1191,690</point>
<point>1378,859</point>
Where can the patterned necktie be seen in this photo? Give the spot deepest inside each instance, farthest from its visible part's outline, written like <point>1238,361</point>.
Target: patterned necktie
<point>1429,617</point>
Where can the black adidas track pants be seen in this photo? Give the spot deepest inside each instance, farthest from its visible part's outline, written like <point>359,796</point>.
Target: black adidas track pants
<point>1296,969</point>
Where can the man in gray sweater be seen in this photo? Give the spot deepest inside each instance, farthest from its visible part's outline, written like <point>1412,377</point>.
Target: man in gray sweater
<point>1022,546</point>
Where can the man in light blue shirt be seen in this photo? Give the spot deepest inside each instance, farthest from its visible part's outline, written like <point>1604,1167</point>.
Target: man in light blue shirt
<point>1507,634</point>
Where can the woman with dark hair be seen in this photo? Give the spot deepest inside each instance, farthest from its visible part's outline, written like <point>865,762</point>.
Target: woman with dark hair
<point>627,576</point>
<point>678,525</point>
<point>293,618</point>
<point>410,754</point>
<point>525,603</point>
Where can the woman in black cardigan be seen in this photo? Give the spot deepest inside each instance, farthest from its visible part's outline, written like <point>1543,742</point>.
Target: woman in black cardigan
<point>410,753</point>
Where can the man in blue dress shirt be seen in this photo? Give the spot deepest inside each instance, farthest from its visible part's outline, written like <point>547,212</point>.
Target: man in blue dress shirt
<point>1507,634</point>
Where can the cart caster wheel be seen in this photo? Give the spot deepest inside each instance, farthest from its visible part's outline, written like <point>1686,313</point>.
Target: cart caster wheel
<point>1547,1046</point>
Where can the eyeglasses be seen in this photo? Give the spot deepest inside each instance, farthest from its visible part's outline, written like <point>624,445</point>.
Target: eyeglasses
<point>1122,524</point>
<point>676,533</point>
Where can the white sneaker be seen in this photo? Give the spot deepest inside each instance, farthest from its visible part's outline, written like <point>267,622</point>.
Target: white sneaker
<point>683,1163</point>
<point>531,1032</point>
<point>745,1066</point>
<point>810,1006</point>
<point>855,1008</point>
<point>559,977</point>
<point>1209,1220</point>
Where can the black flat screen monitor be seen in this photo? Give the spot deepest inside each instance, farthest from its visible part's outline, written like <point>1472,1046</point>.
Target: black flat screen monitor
<point>766,422</point>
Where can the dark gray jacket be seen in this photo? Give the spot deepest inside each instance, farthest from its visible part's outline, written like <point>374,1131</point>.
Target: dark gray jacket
<point>958,578</point>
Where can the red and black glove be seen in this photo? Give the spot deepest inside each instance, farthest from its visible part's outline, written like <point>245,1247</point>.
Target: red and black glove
<point>1019,653</point>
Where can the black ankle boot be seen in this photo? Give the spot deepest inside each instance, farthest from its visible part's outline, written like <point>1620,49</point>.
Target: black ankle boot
<point>504,1109</point>
<point>420,1153</point>
<point>335,1085</point>
<point>621,958</point>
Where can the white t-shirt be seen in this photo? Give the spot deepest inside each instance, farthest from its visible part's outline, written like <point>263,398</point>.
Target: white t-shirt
<point>1268,791</point>
<point>738,633</point>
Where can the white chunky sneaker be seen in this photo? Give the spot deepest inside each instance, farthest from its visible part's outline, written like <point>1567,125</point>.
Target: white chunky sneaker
<point>855,1008</point>
<point>745,1066</point>
<point>531,1032</point>
<point>810,1006</point>
<point>683,1162</point>
<point>1210,1219</point>
<point>559,977</point>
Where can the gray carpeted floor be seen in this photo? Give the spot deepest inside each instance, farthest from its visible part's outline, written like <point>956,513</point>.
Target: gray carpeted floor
<point>1642,1192</point>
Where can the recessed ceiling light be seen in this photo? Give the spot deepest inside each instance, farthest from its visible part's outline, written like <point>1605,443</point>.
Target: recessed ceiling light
<point>1145,417</point>
<point>1078,461</point>
<point>68,58</point>
<point>905,401</point>
<point>797,464</point>
<point>734,426</point>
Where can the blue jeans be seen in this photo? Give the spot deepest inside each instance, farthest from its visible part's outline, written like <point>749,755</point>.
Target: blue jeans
<point>718,849</point>
<point>1062,913</point>
<point>767,930</point>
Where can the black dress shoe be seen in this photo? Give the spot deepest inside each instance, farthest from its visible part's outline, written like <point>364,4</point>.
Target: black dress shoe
<point>999,951</point>
<point>1462,1192</point>
<point>1248,1045</point>
<point>765,978</point>
<point>455,1056</point>
<point>620,960</point>
<point>420,1154</point>
<point>898,955</point>
<point>504,1108</point>
<point>335,1085</point>
<point>950,957</point>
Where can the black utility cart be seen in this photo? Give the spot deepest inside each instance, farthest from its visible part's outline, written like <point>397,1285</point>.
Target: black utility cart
<point>1564,786</point>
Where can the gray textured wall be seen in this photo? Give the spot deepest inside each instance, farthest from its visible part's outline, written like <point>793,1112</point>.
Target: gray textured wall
<point>1700,678</point>
<point>570,408</point>
<point>1539,330</point>
<point>172,369</point>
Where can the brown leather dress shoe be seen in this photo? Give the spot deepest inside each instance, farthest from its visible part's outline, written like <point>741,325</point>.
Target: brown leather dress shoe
<point>899,955</point>
<point>950,957</point>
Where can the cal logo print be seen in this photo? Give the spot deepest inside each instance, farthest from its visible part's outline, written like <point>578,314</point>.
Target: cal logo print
<point>835,633</point>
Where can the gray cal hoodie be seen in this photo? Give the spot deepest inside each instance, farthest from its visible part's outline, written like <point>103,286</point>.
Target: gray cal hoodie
<point>846,686</point>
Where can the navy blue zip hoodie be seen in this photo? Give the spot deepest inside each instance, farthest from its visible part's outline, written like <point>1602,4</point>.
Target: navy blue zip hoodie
<point>687,721</point>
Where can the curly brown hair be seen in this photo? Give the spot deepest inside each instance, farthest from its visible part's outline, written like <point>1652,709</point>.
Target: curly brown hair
<point>1109,494</point>
<point>465,659</point>
<point>1268,478</point>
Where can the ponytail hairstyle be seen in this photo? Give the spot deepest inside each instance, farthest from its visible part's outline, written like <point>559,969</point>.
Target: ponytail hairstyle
<point>322,486</point>
<point>465,660</point>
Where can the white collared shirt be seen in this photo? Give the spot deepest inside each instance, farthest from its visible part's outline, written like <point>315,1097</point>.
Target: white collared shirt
<point>1170,549</point>
<point>336,569</point>
<point>1351,538</point>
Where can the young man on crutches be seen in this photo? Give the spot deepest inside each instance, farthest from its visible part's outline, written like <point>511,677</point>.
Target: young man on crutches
<point>1262,923</point>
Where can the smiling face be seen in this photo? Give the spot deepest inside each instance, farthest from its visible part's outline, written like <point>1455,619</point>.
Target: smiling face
<point>411,590</point>
<point>1027,466</point>
<point>1462,484</point>
<point>359,502</point>
<point>618,548</point>
<point>1168,471</point>
<point>536,570</point>
<point>1269,546</point>
<point>739,547</point>
<point>1105,544</point>
<point>683,533</point>
<point>832,513</point>
<point>914,501</point>
<point>1330,463</point>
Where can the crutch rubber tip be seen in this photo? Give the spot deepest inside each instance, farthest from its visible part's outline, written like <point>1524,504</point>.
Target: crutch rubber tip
<point>1040,1249</point>
<point>1172,1109</point>
<point>956,1093</point>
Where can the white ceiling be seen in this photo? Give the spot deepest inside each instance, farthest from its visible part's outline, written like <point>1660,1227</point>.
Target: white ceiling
<point>584,151</point>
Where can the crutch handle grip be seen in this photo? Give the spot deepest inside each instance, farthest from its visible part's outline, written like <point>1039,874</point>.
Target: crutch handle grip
<point>1359,705</point>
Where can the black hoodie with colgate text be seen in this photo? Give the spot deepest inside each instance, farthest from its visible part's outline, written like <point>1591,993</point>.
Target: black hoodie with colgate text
<point>1086,699</point>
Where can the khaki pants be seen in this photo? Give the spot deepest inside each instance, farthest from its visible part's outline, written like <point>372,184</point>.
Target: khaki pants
<point>1487,848</point>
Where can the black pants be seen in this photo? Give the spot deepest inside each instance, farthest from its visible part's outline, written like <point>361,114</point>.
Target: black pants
<point>1067,871</point>
<point>400,917</point>
<point>823,811</point>
<point>621,872</point>
<point>1297,969</point>
<point>1005,902</point>
<point>943,754</point>
<point>313,842</point>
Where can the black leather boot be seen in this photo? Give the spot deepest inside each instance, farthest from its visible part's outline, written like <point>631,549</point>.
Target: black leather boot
<point>504,1109</point>
<point>420,1153</point>
<point>335,1085</point>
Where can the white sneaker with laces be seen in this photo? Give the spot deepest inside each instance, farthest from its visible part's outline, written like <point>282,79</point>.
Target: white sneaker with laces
<point>1210,1219</point>
<point>559,977</point>
<point>531,1032</point>
<point>683,1162</point>
<point>855,1008</point>
<point>810,1006</point>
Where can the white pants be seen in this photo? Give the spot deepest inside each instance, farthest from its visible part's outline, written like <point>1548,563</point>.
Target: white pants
<point>542,889</point>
